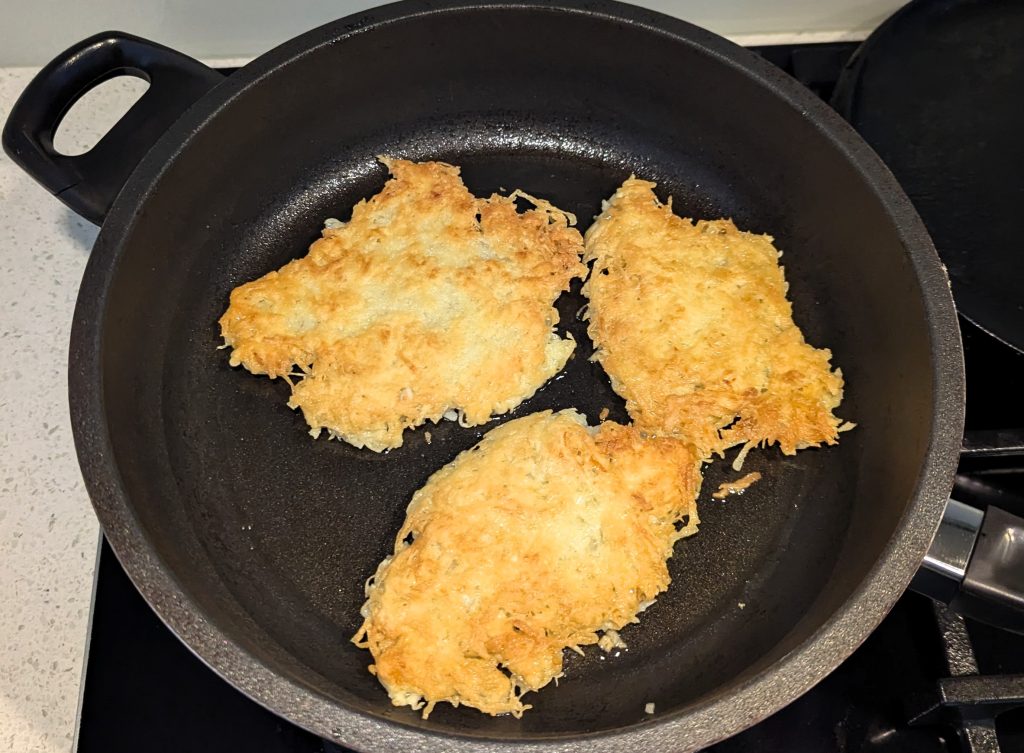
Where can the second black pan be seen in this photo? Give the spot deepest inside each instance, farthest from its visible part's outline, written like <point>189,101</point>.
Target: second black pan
<point>936,91</point>
<point>252,541</point>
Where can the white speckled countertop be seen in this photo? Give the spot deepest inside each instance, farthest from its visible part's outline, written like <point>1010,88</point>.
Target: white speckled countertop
<point>48,533</point>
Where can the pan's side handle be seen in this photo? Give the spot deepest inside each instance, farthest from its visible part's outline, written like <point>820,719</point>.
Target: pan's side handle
<point>88,183</point>
<point>993,587</point>
<point>976,565</point>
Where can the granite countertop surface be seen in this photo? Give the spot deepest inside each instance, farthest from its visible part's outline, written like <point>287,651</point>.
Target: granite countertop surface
<point>48,533</point>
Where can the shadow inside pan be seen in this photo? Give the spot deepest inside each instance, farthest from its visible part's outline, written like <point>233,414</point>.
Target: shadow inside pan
<point>272,534</point>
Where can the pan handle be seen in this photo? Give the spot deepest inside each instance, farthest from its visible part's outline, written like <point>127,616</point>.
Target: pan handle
<point>88,183</point>
<point>976,565</point>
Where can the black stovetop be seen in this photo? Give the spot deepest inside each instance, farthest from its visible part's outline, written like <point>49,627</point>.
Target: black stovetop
<point>144,691</point>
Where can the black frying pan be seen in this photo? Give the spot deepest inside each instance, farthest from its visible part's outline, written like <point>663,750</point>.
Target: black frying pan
<point>958,134</point>
<point>252,541</point>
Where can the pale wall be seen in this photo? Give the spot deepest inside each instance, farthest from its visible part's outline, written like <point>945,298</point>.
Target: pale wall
<point>33,31</point>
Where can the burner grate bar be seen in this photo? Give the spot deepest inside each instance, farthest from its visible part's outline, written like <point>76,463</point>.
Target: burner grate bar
<point>979,737</point>
<point>968,699</point>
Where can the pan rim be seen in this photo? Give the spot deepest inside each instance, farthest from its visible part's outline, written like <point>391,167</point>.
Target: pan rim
<point>716,718</point>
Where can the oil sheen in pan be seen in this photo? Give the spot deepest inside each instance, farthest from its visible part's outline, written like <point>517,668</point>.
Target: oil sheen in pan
<point>304,562</point>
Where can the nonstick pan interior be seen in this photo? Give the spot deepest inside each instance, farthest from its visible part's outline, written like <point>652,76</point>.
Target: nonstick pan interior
<point>268,535</point>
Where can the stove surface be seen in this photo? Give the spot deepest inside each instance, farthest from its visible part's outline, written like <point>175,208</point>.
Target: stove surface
<point>925,680</point>
<point>145,691</point>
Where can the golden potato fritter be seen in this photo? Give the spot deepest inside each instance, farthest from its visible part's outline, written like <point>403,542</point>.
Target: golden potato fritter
<point>427,300</point>
<point>691,323</point>
<point>544,535</point>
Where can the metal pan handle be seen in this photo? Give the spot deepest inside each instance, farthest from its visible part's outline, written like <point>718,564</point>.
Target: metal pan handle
<point>976,560</point>
<point>88,183</point>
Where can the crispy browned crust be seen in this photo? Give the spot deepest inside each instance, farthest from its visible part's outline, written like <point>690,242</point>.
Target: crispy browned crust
<point>427,300</point>
<point>691,322</point>
<point>541,537</point>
